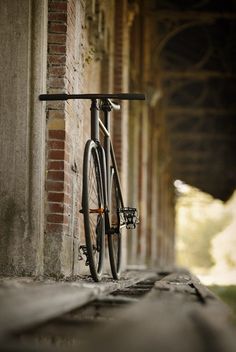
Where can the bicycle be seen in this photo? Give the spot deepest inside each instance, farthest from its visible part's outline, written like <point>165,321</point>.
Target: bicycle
<point>102,201</point>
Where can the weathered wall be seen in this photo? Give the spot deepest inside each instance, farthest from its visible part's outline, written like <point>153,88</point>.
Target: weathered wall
<point>22,135</point>
<point>79,43</point>
<point>58,235</point>
<point>91,46</point>
<point>150,180</point>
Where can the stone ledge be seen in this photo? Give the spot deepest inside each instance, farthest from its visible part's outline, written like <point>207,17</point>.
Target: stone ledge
<point>25,302</point>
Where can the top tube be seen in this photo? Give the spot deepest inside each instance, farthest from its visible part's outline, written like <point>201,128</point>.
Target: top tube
<point>120,96</point>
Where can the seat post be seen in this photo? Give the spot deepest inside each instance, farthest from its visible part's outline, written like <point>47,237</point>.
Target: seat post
<point>106,108</point>
<point>94,120</point>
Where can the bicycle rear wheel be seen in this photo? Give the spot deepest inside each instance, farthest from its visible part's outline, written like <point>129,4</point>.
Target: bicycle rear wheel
<point>114,239</point>
<point>93,210</point>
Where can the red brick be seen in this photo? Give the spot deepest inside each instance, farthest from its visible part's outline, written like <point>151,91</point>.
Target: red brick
<point>57,27</point>
<point>56,175</point>
<point>57,49</point>
<point>55,218</point>
<point>56,154</point>
<point>57,134</point>
<point>56,165</point>
<point>56,38</point>
<point>56,207</point>
<point>56,197</point>
<point>58,6</point>
<point>57,16</point>
<point>56,59</point>
<point>58,71</point>
<point>55,186</point>
<point>56,144</point>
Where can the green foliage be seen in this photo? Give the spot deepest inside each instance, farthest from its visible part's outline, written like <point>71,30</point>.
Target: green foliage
<point>227,294</point>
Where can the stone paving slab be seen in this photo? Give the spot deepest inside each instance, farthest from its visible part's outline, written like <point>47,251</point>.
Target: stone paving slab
<point>177,314</point>
<point>25,302</point>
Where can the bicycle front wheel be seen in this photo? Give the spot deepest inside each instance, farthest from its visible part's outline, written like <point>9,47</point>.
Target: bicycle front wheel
<point>114,239</point>
<point>93,210</point>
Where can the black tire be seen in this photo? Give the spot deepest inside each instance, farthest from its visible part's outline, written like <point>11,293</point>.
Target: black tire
<point>93,210</point>
<point>114,239</point>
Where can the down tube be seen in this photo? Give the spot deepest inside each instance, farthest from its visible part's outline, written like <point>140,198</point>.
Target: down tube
<point>104,173</point>
<point>116,174</point>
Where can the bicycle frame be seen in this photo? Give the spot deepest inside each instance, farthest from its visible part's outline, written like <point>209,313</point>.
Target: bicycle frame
<point>100,157</point>
<point>96,126</point>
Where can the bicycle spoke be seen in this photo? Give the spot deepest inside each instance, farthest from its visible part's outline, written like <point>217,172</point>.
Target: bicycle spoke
<point>94,210</point>
<point>93,182</point>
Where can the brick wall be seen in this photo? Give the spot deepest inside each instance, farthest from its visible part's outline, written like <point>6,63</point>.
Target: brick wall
<point>88,51</point>
<point>63,167</point>
<point>74,65</point>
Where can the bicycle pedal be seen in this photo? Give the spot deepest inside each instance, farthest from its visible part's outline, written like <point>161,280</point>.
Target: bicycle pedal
<point>130,217</point>
<point>83,248</point>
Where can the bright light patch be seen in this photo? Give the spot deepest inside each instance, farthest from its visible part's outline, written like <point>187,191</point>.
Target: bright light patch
<point>206,235</point>
<point>181,186</point>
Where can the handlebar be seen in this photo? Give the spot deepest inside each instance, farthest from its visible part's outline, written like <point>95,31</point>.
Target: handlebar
<point>120,96</point>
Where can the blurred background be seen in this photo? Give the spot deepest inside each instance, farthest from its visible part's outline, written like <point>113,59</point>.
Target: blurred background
<point>206,239</point>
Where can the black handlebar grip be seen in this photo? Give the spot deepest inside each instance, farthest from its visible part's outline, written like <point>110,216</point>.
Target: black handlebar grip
<point>53,97</point>
<point>130,96</point>
<point>119,96</point>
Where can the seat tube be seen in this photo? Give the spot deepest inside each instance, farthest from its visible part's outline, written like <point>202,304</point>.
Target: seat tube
<point>107,151</point>
<point>94,120</point>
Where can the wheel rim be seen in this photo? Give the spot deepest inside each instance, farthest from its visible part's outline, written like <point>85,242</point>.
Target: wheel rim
<point>94,213</point>
<point>114,240</point>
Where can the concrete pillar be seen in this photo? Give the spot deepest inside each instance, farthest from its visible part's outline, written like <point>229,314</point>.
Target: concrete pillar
<point>134,159</point>
<point>23,29</point>
<point>143,186</point>
<point>155,198</point>
<point>121,85</point>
